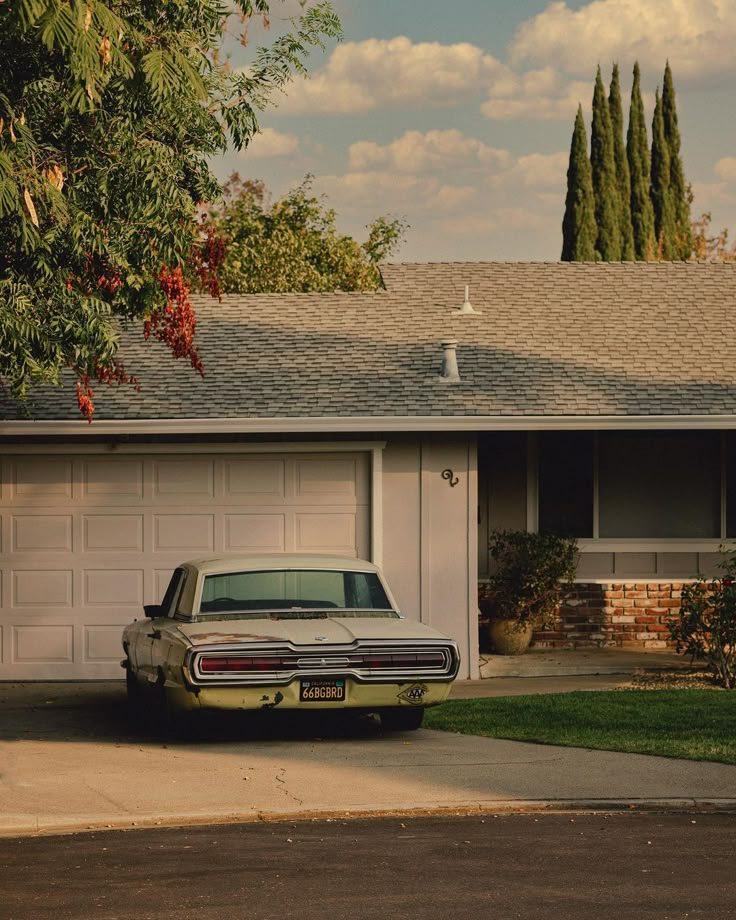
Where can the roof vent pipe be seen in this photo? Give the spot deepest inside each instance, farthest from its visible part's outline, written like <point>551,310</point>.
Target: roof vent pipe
<point>467,307</point>
<point>450,373</point>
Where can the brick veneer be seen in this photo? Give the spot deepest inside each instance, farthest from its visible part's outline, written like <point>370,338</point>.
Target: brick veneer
<point>610,615</point>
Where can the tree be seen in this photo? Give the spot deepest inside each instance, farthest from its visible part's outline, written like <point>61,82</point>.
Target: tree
<point>578,225</point>
<point>108,114</point>
<point>637,152</point>
<point>623,177</point>
<point>605,187</point>
<point>683,240</point>
<point>293,244</point>
<point>709,247</point>
<point>664,217</point>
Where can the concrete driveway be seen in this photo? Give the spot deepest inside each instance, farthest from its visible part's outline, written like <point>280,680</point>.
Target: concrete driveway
<point>69,761</point>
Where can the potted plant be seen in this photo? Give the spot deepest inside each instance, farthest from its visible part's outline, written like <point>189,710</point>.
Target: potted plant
<point>530,570</point>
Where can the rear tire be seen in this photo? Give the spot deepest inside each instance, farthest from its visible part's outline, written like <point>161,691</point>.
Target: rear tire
<point>402,719</point>
<point>169,723</point>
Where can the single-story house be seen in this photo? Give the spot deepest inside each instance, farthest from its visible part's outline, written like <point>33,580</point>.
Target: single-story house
<point>401,426</point>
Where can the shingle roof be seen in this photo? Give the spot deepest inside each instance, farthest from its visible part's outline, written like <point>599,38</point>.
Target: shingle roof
<point>575,339</point>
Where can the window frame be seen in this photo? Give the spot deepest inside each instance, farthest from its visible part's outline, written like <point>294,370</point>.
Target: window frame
<point>596,543</point>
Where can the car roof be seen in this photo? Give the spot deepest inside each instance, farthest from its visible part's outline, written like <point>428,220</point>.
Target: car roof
<point>255,562</point>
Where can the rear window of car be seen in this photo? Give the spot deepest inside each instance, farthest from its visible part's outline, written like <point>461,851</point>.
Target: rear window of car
<point>293,591</point>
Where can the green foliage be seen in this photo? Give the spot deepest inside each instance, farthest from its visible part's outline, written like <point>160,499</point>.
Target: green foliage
<point>605,185</point>
<point>623,179</point>
<point>530,570</point>
<point>109,112</point>
<point>578,224</point>
<point>637,151</point>
<point>642,202</point>
<point>682,243</point>
<point>664,217</point>
<point>705,627</point>
<point>293,244</point>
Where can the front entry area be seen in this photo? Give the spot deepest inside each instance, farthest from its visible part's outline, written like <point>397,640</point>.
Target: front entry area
<point>87,539</point>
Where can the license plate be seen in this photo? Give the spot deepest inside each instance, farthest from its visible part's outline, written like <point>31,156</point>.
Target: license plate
<point>322,690</point>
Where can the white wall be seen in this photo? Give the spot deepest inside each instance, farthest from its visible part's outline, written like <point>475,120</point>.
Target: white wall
<point>430,535</point>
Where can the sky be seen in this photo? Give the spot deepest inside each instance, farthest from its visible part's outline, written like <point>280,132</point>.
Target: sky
<point>456,115</point>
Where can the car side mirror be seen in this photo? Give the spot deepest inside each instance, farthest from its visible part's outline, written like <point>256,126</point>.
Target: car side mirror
<point>152,610</point>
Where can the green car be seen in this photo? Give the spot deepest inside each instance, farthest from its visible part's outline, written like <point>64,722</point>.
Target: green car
<point>279,631</point>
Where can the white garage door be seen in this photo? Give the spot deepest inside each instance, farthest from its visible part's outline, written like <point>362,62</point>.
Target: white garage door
<point>87,540</point>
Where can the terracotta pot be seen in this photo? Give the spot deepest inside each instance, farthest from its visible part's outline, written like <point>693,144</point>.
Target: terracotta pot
<point>508,637</point>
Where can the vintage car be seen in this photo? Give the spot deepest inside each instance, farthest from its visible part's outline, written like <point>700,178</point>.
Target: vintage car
<point>283,631</point>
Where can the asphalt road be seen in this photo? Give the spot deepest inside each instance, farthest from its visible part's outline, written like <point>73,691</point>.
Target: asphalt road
<point>552,866</point>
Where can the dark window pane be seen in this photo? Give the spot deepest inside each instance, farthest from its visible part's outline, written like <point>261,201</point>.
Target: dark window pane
<point>659,484</point>
<point>566,483</point>
<point>173,592</point>
<point>731,484</point>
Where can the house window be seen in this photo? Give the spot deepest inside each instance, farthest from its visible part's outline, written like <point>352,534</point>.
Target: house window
<point>566,483</point>
<point>635,484</point>
<point>662,484</point>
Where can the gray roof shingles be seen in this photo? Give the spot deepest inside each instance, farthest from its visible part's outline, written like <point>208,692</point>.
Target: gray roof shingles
<point>573,339</point>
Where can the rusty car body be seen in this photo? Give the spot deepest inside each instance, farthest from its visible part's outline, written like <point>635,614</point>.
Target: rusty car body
<point>279,631</point>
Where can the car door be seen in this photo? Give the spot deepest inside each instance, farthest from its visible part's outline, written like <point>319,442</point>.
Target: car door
<point>149,647</point>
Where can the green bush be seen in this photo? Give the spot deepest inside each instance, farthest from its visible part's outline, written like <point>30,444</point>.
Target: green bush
<point>705,627</point>
<point>530,571</point>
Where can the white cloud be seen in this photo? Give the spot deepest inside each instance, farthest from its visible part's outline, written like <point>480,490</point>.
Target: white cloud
<point>460,192</point>
<point>375,191</point>
<point>415,152</point>
<point>388,73</point>
<point>542,95</point>
<point>270,143</point>
<point>725,168</point>
<point>538,171</point>
<point>697,36</point>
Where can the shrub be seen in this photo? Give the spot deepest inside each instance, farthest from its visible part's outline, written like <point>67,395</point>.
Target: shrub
<point>705,627</point>
<point>530,570</point>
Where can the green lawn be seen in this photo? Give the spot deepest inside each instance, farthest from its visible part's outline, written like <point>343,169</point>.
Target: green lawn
<point>695,724</point>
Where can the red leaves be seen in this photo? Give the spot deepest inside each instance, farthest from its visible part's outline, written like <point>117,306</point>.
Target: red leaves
<point>207,261</point>
<point>85,395</point>
<point>175,323</point>
<point>114,376</point>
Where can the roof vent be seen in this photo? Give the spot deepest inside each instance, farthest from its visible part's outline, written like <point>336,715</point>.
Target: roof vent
<point>450,373</point>
<point>467,307</point>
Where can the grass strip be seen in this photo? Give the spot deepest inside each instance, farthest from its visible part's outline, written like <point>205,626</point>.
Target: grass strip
<point>692,724</point>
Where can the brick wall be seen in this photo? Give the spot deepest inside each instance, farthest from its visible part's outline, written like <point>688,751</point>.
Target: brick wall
<point>612,615</point>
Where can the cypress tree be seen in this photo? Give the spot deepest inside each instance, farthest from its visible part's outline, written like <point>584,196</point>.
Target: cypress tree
<point>664,218</point>
<point>637,152</point>
<point>623,177</point>
<point>605,188</point>
<point>683,237</point>
<point>578,224</point>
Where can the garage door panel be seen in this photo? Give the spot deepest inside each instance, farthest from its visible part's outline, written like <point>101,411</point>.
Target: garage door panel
<point>38,480</point>
<point>43,643</point>
<point>325,533</point>
<point>42,588</point>
<point>87,540</point>
<point>255,478</point>
<point>112,481</point>
<point>333,480</point>
<point>114,587</point>
<point>112,533</point>
<point>184,532</point>
<point>39,533</point>
<point>255,533</point>
<point>102,643</point>
<point>173,479</point>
